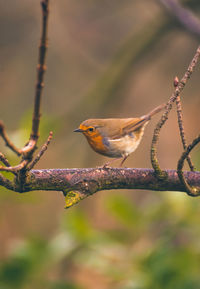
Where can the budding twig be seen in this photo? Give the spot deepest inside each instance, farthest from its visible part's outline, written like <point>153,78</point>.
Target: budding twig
<point>6,183</point>
<point>154,160</point>
<point>41,67</point>
<point>181,126</point>
<point>41,152</point>
<point>4,160</point>
<point>15,169</point>
<point>28,150</point>
<point>7,140</point>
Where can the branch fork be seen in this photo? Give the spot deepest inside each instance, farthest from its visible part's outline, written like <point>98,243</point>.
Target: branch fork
<point>27,152</point>
<point>179,86</point>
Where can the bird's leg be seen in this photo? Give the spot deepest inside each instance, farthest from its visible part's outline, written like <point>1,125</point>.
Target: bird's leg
<point>124,158</point>
<point>107,164</point>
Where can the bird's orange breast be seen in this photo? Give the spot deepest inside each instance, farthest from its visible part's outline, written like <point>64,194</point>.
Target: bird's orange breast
<point>96,142</point>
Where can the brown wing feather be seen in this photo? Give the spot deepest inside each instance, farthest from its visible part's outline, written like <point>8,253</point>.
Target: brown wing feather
<point>132,125</point>
<point>135,124</point>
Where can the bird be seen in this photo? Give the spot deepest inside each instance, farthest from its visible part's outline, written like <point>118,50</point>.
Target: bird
<point>116,137</point>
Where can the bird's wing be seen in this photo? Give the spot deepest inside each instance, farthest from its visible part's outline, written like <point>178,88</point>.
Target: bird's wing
<point>130,125</point>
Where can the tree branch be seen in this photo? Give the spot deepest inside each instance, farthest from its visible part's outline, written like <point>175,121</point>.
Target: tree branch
<point>183,15</point>
<point>41,67</point>
<point>191,190</point>
<point>28,150</point>
<point>181,126</point>
<point>180,86</point>
<point>41,152</point>
<point>8,142</point>
<point>6,183</point>
<point>91,180</point>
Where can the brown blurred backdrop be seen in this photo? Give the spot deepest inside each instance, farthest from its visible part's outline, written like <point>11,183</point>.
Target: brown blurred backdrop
<point>105,59</point>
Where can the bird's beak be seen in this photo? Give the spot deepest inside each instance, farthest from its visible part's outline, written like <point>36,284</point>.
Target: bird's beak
<point>78,130</point>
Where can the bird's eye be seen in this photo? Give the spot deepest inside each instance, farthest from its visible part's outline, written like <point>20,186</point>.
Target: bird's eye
<point>90,129</point>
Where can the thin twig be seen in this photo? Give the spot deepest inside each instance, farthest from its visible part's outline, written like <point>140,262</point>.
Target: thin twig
<point>192,191</point>
<point>7,140</point>
<point>182,131</point>
<point>154,160</point>
<point>41,152</point>
<point>181,126</point>
<point>30,147</point>
<point>41,67</point>
<point>15,169</point>
<point>4,160</point>
<point>6,183</point>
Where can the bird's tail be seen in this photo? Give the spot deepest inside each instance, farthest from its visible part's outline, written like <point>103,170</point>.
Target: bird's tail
<point>142,121</point>
<point>155,110</point>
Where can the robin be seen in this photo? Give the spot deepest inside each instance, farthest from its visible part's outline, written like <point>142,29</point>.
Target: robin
<point>116,137</point>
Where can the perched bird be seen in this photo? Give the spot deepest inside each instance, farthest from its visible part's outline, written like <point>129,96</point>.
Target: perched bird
<point>116,137</point>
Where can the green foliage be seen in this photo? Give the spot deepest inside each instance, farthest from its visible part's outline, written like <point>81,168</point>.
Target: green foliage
<point>170,266</point>
<point>124,210</point>
<point>152,245</point>
<point>64,285</point>
<point>48,123</point>
<point>16,271</point>
<point>77,223</point>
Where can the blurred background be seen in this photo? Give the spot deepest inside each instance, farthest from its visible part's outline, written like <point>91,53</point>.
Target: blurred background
<point>106,59</point>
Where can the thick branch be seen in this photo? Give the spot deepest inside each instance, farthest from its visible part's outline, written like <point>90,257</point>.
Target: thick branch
<point>91,180</point>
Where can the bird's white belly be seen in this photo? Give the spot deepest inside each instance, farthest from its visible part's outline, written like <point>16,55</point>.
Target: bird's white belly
<point>125,145</point>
